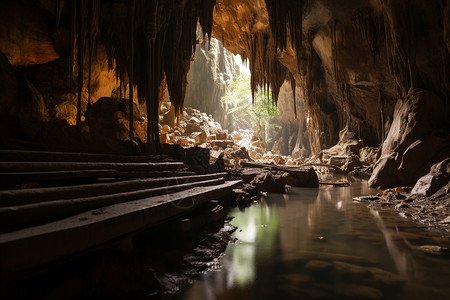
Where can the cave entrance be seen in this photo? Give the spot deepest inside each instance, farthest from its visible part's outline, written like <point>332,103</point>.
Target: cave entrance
<point>222,112</point>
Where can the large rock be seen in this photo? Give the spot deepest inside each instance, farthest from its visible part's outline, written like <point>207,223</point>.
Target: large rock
<point>303,178</point>
<point>270,182</point>
<point>248,174</point>
<point>438,177</point>
<point>411,146</point>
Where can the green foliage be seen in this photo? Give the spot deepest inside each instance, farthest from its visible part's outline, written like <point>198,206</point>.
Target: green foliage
<point>239,100</point>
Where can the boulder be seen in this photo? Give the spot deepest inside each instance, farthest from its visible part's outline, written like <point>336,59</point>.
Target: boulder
<point>271,182</point>
<point>199,137</point>
<point>248,174</point>
<point>218,166</point>
<point>412,146</point>
<point>438,177</point>
<point>303,178</point>
<point>197,159</point>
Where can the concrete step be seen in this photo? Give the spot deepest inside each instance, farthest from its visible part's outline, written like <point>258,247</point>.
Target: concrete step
<point>38,246</point>
<point>36,195</point>
<point>41,212</point>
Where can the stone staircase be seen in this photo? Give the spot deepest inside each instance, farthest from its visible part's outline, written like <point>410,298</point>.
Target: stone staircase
<point>80,201</point>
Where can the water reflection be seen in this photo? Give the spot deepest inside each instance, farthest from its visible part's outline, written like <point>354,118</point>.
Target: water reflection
<point>402,259</point>
<point>316,243</point>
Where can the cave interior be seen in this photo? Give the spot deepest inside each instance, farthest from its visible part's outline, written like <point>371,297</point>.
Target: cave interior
<point>378,69</point>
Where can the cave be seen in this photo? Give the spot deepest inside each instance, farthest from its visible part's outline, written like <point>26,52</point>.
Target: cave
<point>217,149</point>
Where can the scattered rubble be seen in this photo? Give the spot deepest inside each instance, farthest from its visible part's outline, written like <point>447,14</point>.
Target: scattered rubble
<point>350,155</point>
<point>427,203</point>
<point>199,129</point>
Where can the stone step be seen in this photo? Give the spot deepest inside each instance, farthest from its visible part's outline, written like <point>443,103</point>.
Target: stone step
<point>41,212</point>
<point>64,177</point>
<point>39,246</point>
<point>35,195</point>
<point>29,155</point>
<point>20,166</point>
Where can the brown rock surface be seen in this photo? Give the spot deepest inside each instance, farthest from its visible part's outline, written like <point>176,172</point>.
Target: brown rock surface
<point>412,145</point>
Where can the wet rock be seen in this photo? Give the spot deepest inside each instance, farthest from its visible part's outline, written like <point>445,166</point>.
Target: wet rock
<point>362,172</point>
<point>251,189</point>
<point>248,174</point>
<point>270,182</point>
<point>302,178</point>
<point>438,177</point>
<point>366,198</point>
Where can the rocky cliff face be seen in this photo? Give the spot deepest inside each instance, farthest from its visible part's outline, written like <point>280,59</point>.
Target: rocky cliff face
<point>209,78</point>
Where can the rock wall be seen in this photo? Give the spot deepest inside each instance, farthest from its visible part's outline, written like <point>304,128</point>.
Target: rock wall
<point>353,60</point>
<point>292,137</point>
<point>209,78</point>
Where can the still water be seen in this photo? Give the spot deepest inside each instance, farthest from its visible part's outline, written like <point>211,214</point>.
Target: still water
<point>318,244</point>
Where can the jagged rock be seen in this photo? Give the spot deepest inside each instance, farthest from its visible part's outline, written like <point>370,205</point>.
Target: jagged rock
<point>351,163</point>
<point>199,137</point>
<point>251,189</point>
<point>270,182</point>
<point>368,154</point>
<point>410,147</point>
<point>197,159</point>
<point>184,141</point>
<point>303,178</point>
<point>248,174</point>
<point>218,165</point>
<point>438,177</point>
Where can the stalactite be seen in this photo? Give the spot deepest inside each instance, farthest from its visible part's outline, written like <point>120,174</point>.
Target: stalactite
<point>266,71</point>
<point>80,56</point>
<point>73,20</point>
<point>371,29</point>
<point>131,67</point>
<point>59,9</point>
<point>145,41</point>
<point>93,16</point>
<point>286,16</point>
<point>400,44</point>
<point>293,86</point>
